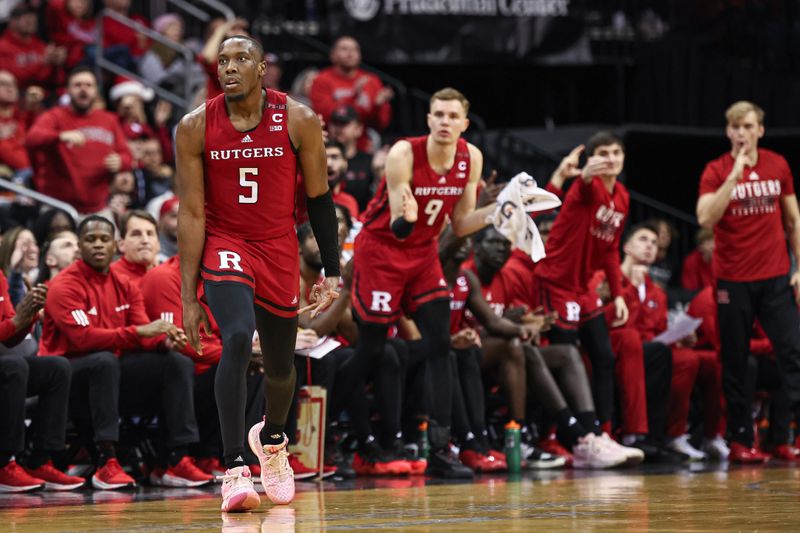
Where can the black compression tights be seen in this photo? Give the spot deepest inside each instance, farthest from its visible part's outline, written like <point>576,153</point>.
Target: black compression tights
<point>237,316</point>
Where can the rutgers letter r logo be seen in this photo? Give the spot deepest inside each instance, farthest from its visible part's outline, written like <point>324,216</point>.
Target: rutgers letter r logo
<point>380,301</point>
<point>229,260</point>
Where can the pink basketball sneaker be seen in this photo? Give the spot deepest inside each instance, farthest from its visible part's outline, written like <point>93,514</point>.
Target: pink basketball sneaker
<point>238,493</point>
<point>277,476</point>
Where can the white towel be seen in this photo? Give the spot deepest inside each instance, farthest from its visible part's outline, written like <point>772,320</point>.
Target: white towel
<point>518,198</point>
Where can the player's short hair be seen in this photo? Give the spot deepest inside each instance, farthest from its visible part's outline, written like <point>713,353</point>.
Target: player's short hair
<point>333,143</point>
<point>603,138</point>
<point>738,110</point>
<point>649,226</point>
<point>304,231</point>
<point>448,93</point>
<point>348,219</point>
<point>93,218</point>
<point>136,213</point>
<point>80,70</point>
<point>255,43</point>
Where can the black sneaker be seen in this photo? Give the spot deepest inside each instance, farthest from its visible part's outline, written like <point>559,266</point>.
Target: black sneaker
<point>334,456</point>
<point>538,459</point>
<point>655,452</point>
<point>444,464</point>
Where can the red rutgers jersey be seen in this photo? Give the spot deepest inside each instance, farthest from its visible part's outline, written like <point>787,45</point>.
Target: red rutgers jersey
<point>459,294</point>
<point>436,196</point>
<point>249,175</point>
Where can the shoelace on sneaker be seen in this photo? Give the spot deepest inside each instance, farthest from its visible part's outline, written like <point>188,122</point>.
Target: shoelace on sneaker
<point>278,463</point>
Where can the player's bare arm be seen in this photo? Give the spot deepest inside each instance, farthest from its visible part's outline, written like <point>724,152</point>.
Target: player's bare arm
<point>190,185</point>
<point>791,224</point>
<point>399,171</point>
<point>305,133</point>
<point>711,206</point>
<point>466,219</point>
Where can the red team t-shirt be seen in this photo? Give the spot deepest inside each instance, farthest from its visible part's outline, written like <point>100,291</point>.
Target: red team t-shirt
<point>249,175</point>
<point>436,196</point>
<point>585,237</point>
<point>751,229</point>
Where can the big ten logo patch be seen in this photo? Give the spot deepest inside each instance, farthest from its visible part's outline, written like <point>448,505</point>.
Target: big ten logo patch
<point>230,261</point>
<point>380,301</point>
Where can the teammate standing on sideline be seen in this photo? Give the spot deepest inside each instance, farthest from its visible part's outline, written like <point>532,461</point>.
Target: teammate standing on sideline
<point>396,266</point>
<point>237,157</point>
<point>747,196</point>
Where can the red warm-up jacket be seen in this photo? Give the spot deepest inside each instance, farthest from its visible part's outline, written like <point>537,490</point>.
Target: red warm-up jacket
<point>89,311</point>
<point>8,331</point>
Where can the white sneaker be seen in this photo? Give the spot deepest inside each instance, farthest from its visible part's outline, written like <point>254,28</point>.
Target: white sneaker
<point>716,448</point>
<point>595,452</point>
<point>633,456</point>
<point>277,476</point>
<point>238,492</point>
<point>682,445</point>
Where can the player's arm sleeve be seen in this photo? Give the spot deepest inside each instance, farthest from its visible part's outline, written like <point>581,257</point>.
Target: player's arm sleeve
<point>43,132</point>
<point>137,316</point>
<point>66,307</point>
<point>613,270</point>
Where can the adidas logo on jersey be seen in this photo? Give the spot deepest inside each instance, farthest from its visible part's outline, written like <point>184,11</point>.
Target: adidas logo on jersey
<point>442,180</point>
<point>753,176</point>
<point>93,311</point>
<point>294,300</point>
<point>247,139</point>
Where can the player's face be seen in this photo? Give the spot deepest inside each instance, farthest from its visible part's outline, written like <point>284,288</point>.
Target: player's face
<point>337,164</point>
<point>82,90</point>
<point>9,93</point>
<point>140,244</point>
<point>63,251</point>
<point>239,69</point>
<point>614,154</point>
<point>642,247</point>
<point>494,249</point>
<point>97,245</point>
<point>309,250</point>
<point>346,53</point>
<point>447,121</point>
<point>745,132</point>
<point>460,255</point>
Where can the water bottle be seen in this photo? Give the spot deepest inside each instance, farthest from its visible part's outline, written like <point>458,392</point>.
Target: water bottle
<point>513,449</point>
<point>424,444</point>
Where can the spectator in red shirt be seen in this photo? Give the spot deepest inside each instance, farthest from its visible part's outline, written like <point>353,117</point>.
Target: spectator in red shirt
<point>26,56</point>
<point>747,197</point>
<point>697,272</point>
<point>337,168</point>
<point>119,36</point>
<point>77,149</point>
<point>344,83</point>
<point>168,229</point>
<point>121,362</point>
<point>22,374</point>
<point>12,128</point>
<point>70,24</point>
<point>138,245</point>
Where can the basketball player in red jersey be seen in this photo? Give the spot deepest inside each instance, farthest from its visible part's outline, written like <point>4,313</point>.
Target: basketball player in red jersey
<point>396,266</point>
<point>237,157</point>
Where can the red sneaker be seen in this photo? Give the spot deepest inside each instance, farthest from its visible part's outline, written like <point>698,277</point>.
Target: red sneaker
<point>185,474</point>
<point>364,465</point>
<point>301,471</point>
<point>328,470</point>
<point>55,479</point>
<point>417,466</point>
<point>14,478</point>
<point>211,465</point>
<point>500,463</point>
<point>741,454</point>
<point>786,452</point>
<point>554,447</point>
<point>111,476</point>
<point>477,461</point>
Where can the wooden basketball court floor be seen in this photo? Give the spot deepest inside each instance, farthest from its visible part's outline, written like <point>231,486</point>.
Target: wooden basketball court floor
<point>704,498</point>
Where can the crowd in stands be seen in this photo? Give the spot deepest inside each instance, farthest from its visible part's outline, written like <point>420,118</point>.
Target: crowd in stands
<point>91,311</point>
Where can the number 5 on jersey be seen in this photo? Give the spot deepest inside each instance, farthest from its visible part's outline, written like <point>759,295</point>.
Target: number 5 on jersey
<point>252,198</point>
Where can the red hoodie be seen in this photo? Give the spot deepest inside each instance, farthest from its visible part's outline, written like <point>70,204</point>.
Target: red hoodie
<point>132,271</point>
<point>8,331</point>
<point>161,289</point>
<point>88,311</point>
<point>67,31</point>
<point>331,90</point>
<point>12,143</point>
<point>24,58</point>
<point>76,174</point>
